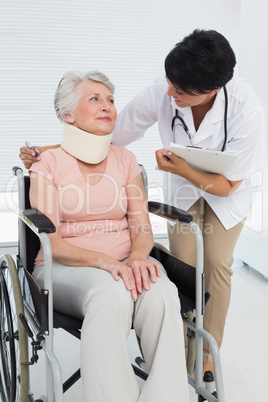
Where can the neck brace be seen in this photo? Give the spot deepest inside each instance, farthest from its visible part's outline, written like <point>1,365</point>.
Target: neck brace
<point>86,147</point>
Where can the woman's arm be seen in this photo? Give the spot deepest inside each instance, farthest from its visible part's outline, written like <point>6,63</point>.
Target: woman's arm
<point>211,183</point>
<point>141,235</point>
<point>28,156</point>
<point>44,197</point>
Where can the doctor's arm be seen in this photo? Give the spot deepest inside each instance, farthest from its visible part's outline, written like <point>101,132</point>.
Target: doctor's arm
<point>215,184</point>
<point>136,117</point>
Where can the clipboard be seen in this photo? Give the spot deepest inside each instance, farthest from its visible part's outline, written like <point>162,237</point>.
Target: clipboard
<point>206,160</point>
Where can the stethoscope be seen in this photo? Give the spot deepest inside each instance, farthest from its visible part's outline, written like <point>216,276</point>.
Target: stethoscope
<point>186,128</point>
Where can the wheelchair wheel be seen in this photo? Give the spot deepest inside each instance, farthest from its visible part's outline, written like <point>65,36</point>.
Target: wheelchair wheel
<point>13,338</point>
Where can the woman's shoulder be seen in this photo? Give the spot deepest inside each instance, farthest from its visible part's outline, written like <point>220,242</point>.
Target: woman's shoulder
<point>56,154</point>
<point>55,164</point>
<point>124,162</point>
<point>121,152</point>
<point>53,160</point>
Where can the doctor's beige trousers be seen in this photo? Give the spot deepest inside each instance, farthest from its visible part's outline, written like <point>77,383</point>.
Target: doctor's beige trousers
<point>219,245</point>
<point>109,313</point>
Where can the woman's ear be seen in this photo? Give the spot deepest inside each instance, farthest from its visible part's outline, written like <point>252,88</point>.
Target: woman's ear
<point>67,117</point>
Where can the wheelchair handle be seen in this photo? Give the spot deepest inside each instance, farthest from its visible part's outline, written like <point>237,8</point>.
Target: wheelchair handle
<point>15,169</point>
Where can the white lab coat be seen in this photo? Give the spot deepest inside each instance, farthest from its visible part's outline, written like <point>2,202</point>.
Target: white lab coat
<point>245,136</point>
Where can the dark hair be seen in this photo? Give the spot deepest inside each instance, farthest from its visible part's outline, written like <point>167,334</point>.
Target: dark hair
<point>201,62</point>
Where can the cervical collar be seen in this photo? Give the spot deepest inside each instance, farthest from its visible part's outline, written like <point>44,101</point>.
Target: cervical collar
<point>86,147</point>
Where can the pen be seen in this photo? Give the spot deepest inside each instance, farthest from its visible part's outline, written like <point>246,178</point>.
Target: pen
<point>28,145</point>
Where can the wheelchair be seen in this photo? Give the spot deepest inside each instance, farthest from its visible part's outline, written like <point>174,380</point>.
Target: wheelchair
<point>27,310</point>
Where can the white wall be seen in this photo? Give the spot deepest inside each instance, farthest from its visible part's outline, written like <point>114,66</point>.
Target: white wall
<point>253,66</point>
<point>127,40</point>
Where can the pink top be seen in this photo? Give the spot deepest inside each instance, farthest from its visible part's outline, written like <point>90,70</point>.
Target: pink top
<point>92,216</point>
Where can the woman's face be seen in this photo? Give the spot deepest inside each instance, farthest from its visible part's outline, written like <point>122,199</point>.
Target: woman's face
<point>95,110</point>
<point>183,99</point>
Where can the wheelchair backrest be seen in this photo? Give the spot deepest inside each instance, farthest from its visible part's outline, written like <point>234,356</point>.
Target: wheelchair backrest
<point>29,243</point>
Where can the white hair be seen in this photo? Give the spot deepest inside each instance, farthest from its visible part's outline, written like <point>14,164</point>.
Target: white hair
<point>67,94</point>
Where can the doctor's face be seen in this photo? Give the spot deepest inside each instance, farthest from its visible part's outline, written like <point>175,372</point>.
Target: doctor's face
<point>183,99</point>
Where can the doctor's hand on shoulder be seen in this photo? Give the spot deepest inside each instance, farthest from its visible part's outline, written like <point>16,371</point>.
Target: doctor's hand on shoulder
<point>28,156</point>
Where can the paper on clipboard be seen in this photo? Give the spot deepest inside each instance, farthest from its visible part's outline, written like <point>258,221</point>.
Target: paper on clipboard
<point>207,160</point>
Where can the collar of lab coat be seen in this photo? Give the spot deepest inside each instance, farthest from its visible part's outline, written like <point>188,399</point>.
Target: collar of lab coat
<point>213,116</point>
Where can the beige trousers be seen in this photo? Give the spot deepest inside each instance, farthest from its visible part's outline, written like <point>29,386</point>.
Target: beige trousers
<point>219,245</point>
<point>109,313</point>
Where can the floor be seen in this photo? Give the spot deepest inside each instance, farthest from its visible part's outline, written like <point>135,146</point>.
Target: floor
<point>244,352</point>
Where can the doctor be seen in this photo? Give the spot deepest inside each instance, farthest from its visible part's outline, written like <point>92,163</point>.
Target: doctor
<point>199,103</point>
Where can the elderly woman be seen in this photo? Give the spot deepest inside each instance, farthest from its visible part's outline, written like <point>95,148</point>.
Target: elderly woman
<point>93,193</point>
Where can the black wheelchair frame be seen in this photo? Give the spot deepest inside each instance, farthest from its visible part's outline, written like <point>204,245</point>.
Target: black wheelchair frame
<point>27,310</point>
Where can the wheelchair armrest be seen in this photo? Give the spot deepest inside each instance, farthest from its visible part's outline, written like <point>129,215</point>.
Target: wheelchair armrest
<point>169,212</point>
<point>39,222</point>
